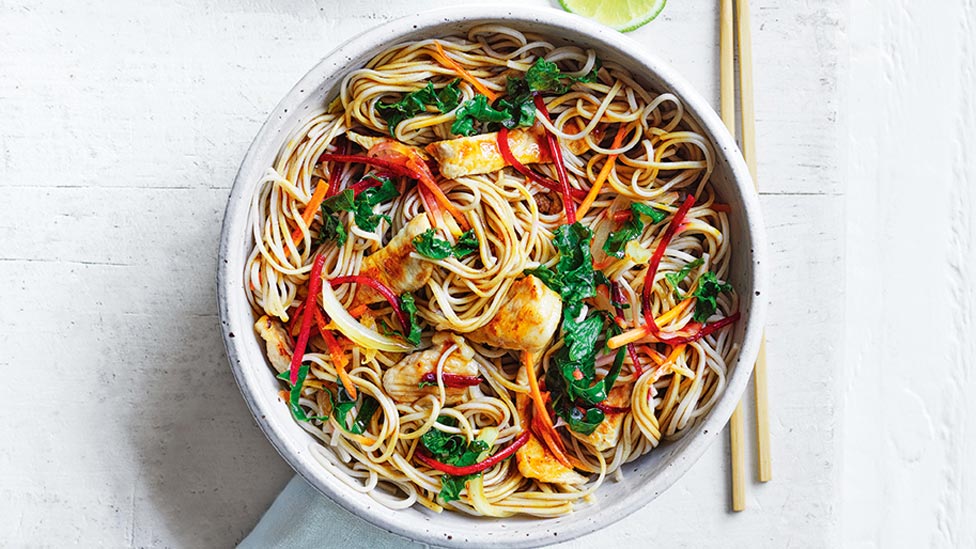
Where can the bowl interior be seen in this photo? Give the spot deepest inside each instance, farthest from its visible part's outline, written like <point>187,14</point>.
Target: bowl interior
<point>646,477</point>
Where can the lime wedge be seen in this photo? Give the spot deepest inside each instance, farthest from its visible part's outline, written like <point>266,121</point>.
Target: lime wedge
<point>621,15</point>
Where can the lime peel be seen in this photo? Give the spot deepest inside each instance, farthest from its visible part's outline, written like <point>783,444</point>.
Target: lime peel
<point>621,15</point>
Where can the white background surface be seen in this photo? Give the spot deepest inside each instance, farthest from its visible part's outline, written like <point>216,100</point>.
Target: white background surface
<point>122,125</point>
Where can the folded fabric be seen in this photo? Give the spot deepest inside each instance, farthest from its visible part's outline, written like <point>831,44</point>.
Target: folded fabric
<point>302,517</point>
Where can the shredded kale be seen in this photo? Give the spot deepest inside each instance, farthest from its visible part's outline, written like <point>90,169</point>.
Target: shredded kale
<point>413,333</point>
<point>467,244</point>
<point>655,214</point>
<point>573,277</point>
<point>545,76</point>
<point>415,102</point>
<point>341,202</point>
<point>675,278</point>
<point>474,115</point>
<point>571,376</point>
<point>365,414</point>
<point>430,246</point>
<point>427,244</point>
<point>296,392</point>
<point>369,198</point>
<point>706,293</point>
<point>452,449</point>
<point>361,207</point>
<point>631,229</point>
<point>332,229</point>
<point>542,76</point>
<point>342,404</point>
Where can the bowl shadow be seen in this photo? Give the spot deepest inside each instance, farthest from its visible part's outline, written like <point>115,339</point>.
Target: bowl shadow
<point>207,471</point>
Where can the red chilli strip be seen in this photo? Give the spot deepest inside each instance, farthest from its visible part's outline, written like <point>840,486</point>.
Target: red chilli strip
<point>703,330</point>
<point>375,162</point>
<point>368,183</point>
<point>506,151</point>
<point>314,287</point>
<point>335,176</point>
<point>607,409</point>
<point>648,288</point>
<point>429,461</point>
<point>632,352</point>
<point>621,216</point>
<point>556,153</point>
<point>383,290</point>
<point>454,381</point>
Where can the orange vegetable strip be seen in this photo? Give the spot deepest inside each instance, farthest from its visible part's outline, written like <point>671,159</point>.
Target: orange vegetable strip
<point>358,310</point>
<point>604,173</point>
<point>546,428</point>
<point>427,180</point>
<point>450,63</point>
<point>335,352</point>
<point>313,205</point>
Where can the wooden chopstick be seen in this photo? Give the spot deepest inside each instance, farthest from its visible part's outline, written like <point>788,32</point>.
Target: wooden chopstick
<point>727,76</point>
<point>747,105</point>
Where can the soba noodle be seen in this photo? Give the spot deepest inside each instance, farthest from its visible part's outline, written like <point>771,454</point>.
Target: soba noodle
<point>661,158</point>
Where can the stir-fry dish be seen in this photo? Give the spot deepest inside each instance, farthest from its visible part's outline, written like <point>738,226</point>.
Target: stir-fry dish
<point>491,272</point>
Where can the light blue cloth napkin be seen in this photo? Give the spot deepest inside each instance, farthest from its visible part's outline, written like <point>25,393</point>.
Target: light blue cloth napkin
<point>302,517</point>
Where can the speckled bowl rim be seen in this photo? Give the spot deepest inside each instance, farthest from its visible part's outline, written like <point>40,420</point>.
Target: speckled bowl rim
<point>451,529</point>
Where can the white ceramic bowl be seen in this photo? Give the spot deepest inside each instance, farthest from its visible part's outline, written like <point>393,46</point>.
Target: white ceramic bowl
<point>647,477</point>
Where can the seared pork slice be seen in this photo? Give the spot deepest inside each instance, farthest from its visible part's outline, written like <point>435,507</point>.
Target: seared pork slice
<point>393,266</point>
<point>526,320</point>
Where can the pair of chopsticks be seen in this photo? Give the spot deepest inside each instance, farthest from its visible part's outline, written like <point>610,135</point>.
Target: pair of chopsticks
<point>732,22</point>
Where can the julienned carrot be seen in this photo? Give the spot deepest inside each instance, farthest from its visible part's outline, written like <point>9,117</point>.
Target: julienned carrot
<point>673,312</point>
<point>604,173</point>
<point>358,310</point>
<point>339,359</point>
<point>450,63</point>
<point>434,213</point>
<point>441,200</point>
<point>313,205</point>
<point>541,416</point>
<point>677,350</point>
<point>617,298</point>
<point>321,193</point>
<point>407,161</point>
<point>427,179</point>
<point>657,357</point>
<point>700,331</point>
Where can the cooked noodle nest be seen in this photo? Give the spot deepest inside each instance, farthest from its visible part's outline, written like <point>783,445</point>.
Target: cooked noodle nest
<point>662,156</point>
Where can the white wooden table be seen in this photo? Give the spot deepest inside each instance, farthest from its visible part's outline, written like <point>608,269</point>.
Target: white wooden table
<point>121,128</point>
